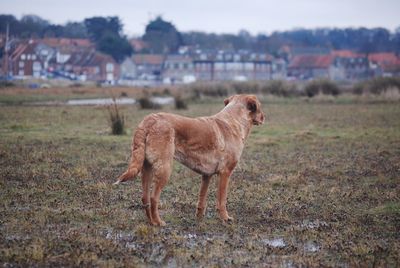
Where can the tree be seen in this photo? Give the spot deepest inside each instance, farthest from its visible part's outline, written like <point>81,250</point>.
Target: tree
<point>32,26</point>
<point>115,46</point>
<point>162,36</point>
<point>107,35</point>
<point>75,30</point>
<point>97,26</point>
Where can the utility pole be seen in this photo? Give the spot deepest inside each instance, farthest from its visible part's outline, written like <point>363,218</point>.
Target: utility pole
<point>6,48</point>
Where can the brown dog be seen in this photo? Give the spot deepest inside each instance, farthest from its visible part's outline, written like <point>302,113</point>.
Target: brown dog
<point>208,145</point>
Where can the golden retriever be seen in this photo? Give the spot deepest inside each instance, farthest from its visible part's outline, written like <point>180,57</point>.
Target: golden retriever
<point>208,145</point>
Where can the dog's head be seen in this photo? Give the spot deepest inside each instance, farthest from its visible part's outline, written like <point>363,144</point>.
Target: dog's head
<point>252,104</point>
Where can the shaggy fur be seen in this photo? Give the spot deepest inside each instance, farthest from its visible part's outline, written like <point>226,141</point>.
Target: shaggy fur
<point>208,145</point>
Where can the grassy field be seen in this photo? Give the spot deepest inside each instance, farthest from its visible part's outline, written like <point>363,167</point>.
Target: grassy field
<point>317,185</point>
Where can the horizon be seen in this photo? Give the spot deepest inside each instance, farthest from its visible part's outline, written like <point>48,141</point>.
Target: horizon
<point>310,14</point>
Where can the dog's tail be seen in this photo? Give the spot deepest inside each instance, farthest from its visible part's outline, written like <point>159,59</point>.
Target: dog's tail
<point>137,157</point>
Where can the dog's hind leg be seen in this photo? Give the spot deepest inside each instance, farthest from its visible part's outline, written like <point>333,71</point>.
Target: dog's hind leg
<point>202,203</point>
<point>147,177</point>
<point>160,151</point>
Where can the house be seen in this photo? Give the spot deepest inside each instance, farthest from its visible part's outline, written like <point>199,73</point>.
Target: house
<point>24,62</point>
<point>384,64</point>
<point>91,65</point>
<point>230,65</point>
<point>128,70</point>
<point>138,45</point>
<point>349,65</point>
<point>203,65</point>
<point>178,69</point>
<point>148,66</point>
<point>309,66</point>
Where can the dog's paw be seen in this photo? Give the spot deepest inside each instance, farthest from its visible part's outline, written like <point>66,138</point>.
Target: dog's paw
<point>161,223</point>
<point>228,220</point>
<point>200,213</point>
<point>116,183</point>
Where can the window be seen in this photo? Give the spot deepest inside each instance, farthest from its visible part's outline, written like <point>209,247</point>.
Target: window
<point>109,67</point>
<point>23,57</point>
<point>28,57</point>
<point>176,66</point>
<point>33,57</point>
<point>21,64</point>
<point>219,66</point>
<point>185,66</point>
<point>21,72</point>
<point>36,66</point>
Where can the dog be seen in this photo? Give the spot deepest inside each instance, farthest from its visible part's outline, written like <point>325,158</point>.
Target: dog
<point>208,145</point>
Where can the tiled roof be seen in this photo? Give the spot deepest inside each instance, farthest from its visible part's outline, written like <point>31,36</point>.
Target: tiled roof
<point>385,57</point>
<point>152,59</point>
<point>62,42</point>
<point>346,54</point>
<point>88,58</point>
<point>311,61</point>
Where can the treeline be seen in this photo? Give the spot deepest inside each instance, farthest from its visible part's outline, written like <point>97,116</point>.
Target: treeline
<point>105,32</point>
<point>163,37</point>
<point>358,39</point>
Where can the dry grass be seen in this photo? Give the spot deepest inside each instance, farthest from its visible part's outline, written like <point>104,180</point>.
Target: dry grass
<point>317,185</point>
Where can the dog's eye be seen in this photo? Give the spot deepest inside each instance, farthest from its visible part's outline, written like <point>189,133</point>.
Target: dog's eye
<point>252,106</point>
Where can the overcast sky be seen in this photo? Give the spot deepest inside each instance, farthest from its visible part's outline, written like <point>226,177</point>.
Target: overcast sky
<point>256,16</point>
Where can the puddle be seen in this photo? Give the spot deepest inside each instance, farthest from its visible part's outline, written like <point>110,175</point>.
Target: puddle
<point>306,224</point>
<point>106,101</point>
<point>311,247</point>
<point>275,243</point>
<point>162,100</point>
<point>119,236</point>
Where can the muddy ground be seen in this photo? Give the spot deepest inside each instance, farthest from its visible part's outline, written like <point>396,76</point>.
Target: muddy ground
<point>317,185</point>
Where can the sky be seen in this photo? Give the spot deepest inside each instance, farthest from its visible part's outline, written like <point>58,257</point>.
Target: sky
<point>255,16</point>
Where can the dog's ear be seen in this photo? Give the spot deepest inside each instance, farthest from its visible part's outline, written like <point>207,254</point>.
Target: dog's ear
<point>251,105</point>
<point>227,100</point>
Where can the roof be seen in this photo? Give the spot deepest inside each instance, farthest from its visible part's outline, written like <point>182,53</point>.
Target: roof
<point>138,44</point>
<point>152,59</point>
<point>346,54</point>
<point>27,47</point>
<point>311,61</point>
<point>88,57</point>
<point>61,42</point>
<point>385,57</point>
<point>178,58</point>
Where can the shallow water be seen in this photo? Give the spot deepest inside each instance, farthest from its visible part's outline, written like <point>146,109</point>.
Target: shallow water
<point>105,101</point>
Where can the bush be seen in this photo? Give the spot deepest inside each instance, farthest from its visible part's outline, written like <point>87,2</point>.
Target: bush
<point>5,83</point>
<point>117,121</point>
<point>180,104</point>
<point>377,85</point>
<point>358,88</point>
<point>381,84</point>
<point>245,87</point>
<point>280,88</point>
<point>146,103</point>
<point>326,87</point>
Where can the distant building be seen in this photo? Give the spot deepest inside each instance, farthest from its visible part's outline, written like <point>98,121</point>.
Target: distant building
<point>90,65</point>
<point>148,66</point>
<point>305,67</point>
<point>384,64</point>
<point>227,66</point>
<point>24,62</point>
<point>349,65</point>
<point>178,69</point>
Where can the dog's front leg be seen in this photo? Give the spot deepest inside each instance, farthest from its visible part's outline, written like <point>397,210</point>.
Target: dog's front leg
<point>202,203</point>
<point>222,195</point>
